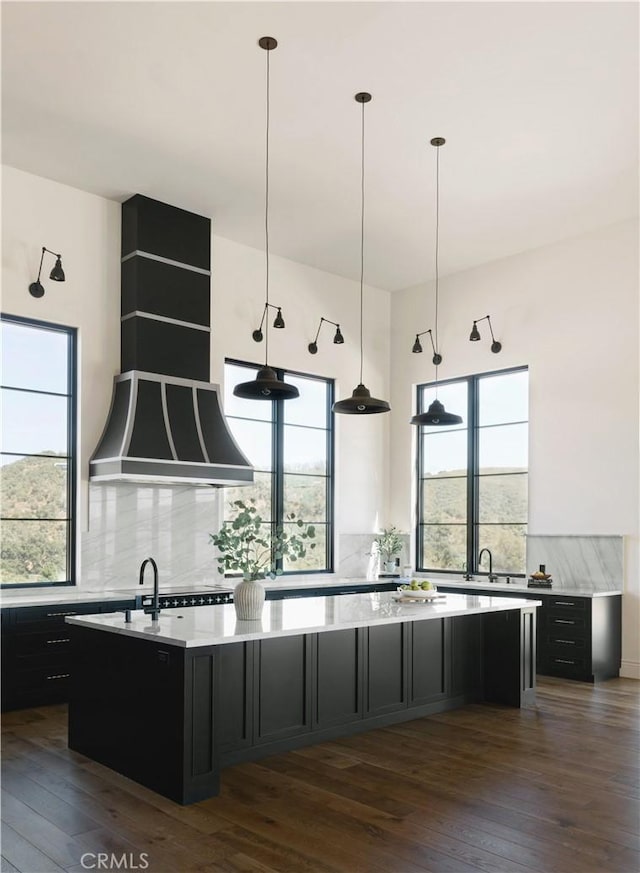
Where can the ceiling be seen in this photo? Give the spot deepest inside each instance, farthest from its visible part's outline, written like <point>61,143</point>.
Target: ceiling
<point>538,103</point>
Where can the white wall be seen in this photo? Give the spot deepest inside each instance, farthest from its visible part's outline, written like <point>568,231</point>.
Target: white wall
<point>570,312</point>
<point>86,230</point>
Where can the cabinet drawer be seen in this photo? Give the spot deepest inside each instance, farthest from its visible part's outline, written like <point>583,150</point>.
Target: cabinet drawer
<point>49,643</point>
<point>562,601</point>
<point>568,665</point>
<point>559,642</point>
<point>34,616</point>
<point>563,621</point>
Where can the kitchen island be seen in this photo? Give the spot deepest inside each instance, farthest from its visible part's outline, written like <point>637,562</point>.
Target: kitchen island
<point>171,703</point>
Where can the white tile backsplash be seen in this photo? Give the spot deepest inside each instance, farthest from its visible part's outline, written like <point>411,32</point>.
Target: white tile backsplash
<point>357,558</point>
<point>588,562</point>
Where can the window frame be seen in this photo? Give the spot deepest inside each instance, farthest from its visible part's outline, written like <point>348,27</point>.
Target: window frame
<point>72,447</point>
<point>277,462</point>
<point>472,382</point>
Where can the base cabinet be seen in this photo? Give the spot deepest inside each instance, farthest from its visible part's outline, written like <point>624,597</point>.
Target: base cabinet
<point>577,637</point>
<point>37,651</point>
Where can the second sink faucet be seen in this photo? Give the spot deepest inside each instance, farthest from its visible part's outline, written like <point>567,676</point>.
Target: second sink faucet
<point>154,609</point>
<point>492,576</point>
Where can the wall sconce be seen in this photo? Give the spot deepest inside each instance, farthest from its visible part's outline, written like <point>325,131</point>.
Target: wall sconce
<point>57,274</point>
<point>474,336</point>
<point>338,339</point>
<point>417,347</point>
<point>278,321</point>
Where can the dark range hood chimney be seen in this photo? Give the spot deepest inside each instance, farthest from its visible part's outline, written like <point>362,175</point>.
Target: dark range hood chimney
<point>166,424</point>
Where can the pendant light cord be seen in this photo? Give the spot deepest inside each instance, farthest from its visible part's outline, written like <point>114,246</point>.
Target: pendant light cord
<point>266,221</point>
<point>437,247</point>
<point>361,243</point>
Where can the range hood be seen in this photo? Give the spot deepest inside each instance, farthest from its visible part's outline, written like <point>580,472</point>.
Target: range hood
<point>166,423</point>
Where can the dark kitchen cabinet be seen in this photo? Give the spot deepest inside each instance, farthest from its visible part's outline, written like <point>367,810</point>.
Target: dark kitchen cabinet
<point>430,667</point>
<point>338,680</point>
<point>577,637</point>
<point>387,663</point>
<point>37,651</point>
<point>282,677</point>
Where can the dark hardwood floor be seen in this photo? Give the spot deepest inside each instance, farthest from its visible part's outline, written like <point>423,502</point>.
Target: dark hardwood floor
<point>552,789</point>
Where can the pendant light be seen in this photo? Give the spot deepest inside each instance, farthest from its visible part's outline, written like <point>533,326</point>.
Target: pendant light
<point>266,385</point>
<point>436,414</point>
<point>361,402</point>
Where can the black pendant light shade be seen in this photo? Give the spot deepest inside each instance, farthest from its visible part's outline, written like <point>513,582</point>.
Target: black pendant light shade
<point>474,336</point>
<point>266,386</point>
<point>338,338</point>
<point>436,415</point>
<point>57,274</point>
<point>361,403</point>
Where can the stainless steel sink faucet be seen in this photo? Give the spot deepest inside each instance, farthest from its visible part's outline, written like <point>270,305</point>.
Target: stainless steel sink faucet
<point>154,609</point>
<point>492,576</point>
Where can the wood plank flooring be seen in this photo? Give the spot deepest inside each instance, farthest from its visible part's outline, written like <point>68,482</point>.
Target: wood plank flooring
<point>553,789</point>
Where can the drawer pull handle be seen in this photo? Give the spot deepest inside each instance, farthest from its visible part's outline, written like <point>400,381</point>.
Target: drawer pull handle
<point>565,603</point>
<point>567,642</point>
<point>59,676</point>
<point>54,642</point>
<point>56,614</point>
<point>563,661</point>
<point>563,621</point>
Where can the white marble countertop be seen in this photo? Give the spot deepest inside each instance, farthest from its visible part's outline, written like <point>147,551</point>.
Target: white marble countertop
<point>47,596</point>
<point>192,627</point>
<point>516,588</point>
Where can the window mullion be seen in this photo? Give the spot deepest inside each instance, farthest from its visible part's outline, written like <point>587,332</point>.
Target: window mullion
<point>472,481</point>
<point>278,465</point>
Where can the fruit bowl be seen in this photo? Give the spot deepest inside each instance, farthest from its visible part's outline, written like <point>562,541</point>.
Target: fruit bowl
<point>417,593</point>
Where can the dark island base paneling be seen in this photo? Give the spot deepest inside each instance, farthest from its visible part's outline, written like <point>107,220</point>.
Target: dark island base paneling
<point>171,718</point>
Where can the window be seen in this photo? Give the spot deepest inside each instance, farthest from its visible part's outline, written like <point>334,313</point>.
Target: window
<point>290,445</point>
<point>37,498</point>
<point>472,477</point>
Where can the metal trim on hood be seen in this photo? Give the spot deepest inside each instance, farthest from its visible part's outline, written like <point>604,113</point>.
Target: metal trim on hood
<point>183,440</point>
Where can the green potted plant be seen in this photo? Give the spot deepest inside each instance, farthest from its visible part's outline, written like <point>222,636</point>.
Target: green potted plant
<point>250,545</point>
<point>389,543</point>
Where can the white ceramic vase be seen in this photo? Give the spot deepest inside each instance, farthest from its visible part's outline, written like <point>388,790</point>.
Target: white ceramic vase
<point>248,599</point>
<point>389,566</point>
